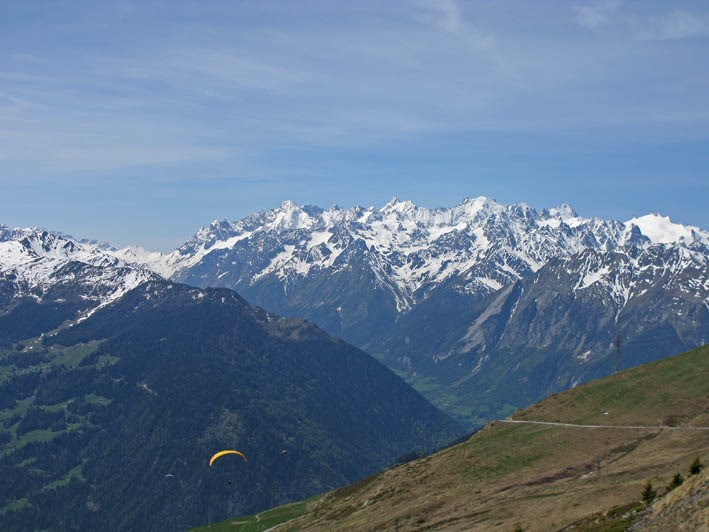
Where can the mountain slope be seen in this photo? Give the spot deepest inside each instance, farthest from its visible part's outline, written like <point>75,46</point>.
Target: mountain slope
<point>684,509</point>
<point>286,257</point>
<point>409,250</point>
<point>483,307</point>
<point>48,278</point>
<point>555,328</point>
<point>541,477</point>
<point>109,423</point>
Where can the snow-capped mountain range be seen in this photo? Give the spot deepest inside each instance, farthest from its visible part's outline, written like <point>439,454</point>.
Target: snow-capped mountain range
<point>35,263</point>
<point>406,251</point>
<point>435,293</point>
<point>410,249</point>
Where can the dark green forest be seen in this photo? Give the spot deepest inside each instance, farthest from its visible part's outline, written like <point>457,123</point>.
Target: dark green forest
<point>110,423</point>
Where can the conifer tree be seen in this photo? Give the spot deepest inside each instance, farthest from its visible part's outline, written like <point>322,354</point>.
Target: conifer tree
<point>648,494</point>
<point>696,466</point>
<point>676,481</point>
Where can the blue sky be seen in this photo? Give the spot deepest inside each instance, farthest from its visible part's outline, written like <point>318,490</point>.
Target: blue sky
<point>138,122</point>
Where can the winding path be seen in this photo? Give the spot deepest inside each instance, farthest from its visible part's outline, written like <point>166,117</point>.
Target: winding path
<point>558,424</point>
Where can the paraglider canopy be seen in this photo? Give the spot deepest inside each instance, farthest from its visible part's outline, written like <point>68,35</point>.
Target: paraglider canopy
<point>222,453</point>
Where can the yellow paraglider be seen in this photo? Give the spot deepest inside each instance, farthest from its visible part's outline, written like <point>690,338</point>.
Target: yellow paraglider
<point>222,453</point>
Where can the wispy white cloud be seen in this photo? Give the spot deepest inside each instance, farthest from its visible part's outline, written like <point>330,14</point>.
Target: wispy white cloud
<point>448,17</point>
<point>642,24</point>
<point>598,13</point>
<point>445,14</point>
<point>675,25</point>
<point>270,77</point>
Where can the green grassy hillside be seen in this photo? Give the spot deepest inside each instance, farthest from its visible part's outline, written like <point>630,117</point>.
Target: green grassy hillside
<point>536,477</point>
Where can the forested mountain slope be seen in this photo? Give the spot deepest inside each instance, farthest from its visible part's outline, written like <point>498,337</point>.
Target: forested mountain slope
<point>109,423</point>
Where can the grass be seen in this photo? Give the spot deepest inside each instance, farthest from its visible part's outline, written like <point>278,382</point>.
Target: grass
<point>16,505</point>
<point>261,521</point>
<point>71,357</point>
<point>75,472</point>
<point>662,392</point>
<point>67,357</point>
<point>450,400</point>
<point>19,408</point>
<point>616,520</point>
<point>37,435</point>
<point>539,477</point>
<point>106,360</point>
<point>94,399</point>
<point>523,448</point>
<point>442,397</point>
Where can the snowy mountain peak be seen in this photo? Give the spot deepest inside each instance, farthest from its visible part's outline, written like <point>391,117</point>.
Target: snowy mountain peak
<point>480,205</point>
<point>39,264</point>
<point>397,206</point>
<point>562,212</point>
<point>22,246</point>
<point>207,236</point>
<point>661,230</point>
<point>409,249</point>
<point>292,216</point>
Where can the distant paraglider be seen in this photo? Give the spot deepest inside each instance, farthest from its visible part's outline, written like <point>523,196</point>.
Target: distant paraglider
<point>222,453</point>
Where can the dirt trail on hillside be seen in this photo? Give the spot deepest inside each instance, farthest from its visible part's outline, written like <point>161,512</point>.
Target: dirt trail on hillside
<point>559,424</point>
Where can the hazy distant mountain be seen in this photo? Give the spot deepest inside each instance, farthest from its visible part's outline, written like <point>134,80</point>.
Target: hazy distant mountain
<point>109,423</point>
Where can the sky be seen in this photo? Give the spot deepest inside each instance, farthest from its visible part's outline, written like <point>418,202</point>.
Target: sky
<point>138,122</point>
